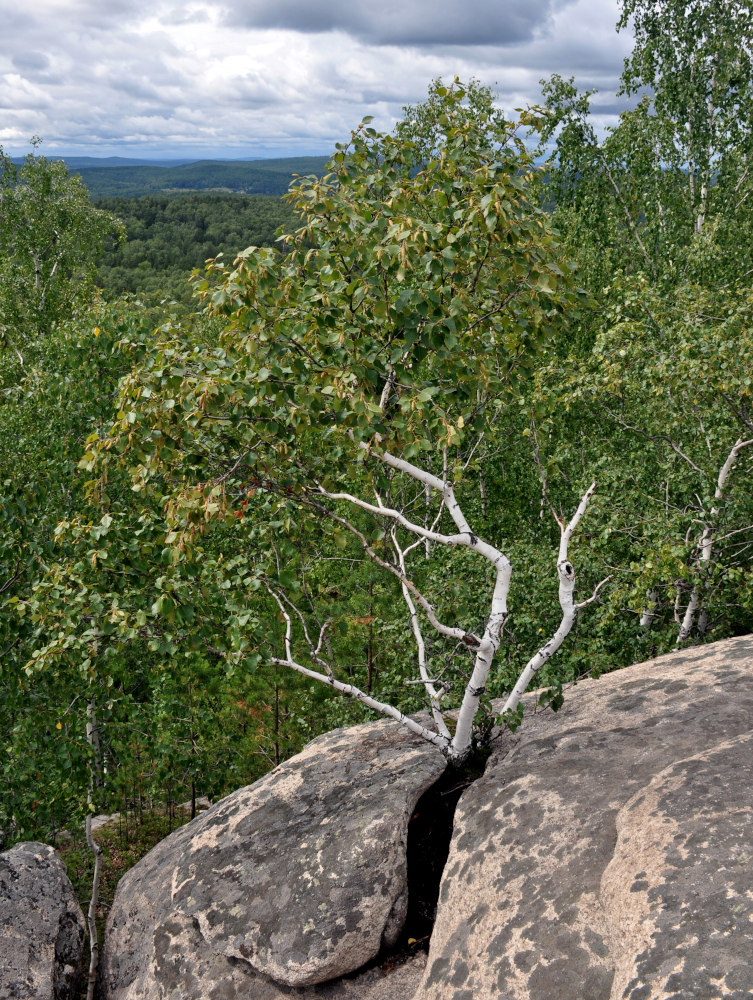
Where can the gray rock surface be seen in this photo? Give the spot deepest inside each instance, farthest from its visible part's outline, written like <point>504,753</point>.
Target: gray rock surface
<point>41,926</point>
<point>292,881</point>
<point>680,880</point>
<point>607,852</point>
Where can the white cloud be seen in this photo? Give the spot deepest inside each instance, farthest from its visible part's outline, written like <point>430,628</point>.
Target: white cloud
<point>249,78</point>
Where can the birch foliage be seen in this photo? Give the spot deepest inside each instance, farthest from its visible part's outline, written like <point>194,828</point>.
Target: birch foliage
<point>655,390</point>
<point>641,196</point>
<point>356,377</point>
<point>50,235</point>
<point>672,380</point>
<point>697,59</point>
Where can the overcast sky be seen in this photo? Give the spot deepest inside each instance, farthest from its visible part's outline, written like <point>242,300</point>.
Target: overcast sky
<point>241,78</point>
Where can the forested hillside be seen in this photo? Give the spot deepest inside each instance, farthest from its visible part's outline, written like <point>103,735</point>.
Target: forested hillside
<point>168,236</point>
<point>270,177</point>
<point>475,424</point>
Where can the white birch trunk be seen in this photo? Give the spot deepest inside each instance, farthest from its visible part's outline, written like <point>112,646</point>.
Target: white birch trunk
<point>706,543</point>
<point>95,779</point>
<point>701,216</point>
<point>455,747</point>
<point>649,612</point>
<point>566,573</point>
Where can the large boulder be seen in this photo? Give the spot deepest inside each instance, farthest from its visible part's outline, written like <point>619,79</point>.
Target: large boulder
<point>607,852</point>
<point>297,879</point>
<point>41,926</point>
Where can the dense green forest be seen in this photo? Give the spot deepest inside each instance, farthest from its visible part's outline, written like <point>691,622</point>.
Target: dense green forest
<point>168,236</point>
<point>357,441</point>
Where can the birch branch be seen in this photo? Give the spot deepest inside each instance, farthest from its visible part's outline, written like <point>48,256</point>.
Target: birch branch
<point>595,594</point>
<point>438,739</point>
<point>458,747</point>
<point>652,437</point>
<point>314,650</point>
<point>628,217</point>
<point>486,648</point>
<point>378,706</point>
<point>380,509</point>
<point>678,599</point>
<point>737,531</point>
<point>434,695</point>
<point>443,486</point>
<point>452,633</point>
<point>566,573</point>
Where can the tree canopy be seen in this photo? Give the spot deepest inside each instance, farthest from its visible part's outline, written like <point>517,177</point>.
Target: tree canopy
<point>50,237</point>
<point>364,458</point>
<point>403,315</point>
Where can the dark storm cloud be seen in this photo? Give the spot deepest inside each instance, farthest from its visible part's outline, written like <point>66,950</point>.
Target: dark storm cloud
<point>422,23</point>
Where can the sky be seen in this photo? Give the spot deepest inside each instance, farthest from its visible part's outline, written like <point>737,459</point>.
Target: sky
<point>257,78</point>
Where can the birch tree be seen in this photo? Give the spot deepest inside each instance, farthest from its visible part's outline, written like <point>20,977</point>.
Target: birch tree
<point>674,171</point>
<point>360,370</point>
<point>657,213</point>
<point>697,59</point>
<point>50,235</point>
<point>671,381</point>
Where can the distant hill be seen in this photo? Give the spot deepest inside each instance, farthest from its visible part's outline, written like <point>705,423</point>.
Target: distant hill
<point>77,162</point>
<point>112,179</point>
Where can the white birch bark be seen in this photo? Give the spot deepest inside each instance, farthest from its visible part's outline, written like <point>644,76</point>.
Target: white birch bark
<point>566,573</point>
<point>456,747</point>
<point>649,612</point>
<point>95,777</point>
<point>706,542</point>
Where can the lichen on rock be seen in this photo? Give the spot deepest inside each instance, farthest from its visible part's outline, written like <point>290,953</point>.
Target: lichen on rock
<point>297,879</point>
<point>41,926</point>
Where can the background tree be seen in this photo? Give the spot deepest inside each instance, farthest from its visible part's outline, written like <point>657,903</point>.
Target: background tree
<point>695,59</point>
<point>50,236</point>
<point>657,214</point>
<point>89,610</point>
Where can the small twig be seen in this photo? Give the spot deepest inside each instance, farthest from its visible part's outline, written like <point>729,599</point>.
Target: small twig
<point>595,594</point>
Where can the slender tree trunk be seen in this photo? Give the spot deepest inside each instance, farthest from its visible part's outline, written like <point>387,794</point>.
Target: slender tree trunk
<point>370,642</point>
<point>95,780</point>
<point>566,573</point>
<point>705,181</point>
<point>649,612</point>
<point>277,723</point>
<point>706,542</point>
<point>193,755</point>
<point>37,272</point>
